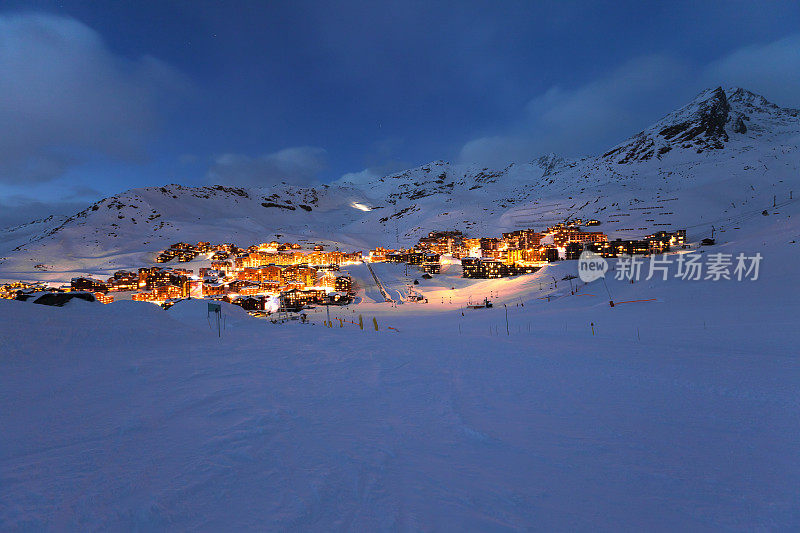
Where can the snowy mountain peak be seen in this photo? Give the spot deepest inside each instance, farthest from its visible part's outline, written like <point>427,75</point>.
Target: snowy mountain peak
<point>709,122</point>
<point>737,95</point>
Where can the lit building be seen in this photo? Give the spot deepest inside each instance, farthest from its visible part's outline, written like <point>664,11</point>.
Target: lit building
<point>527,255</point>
<point>563,236</point>
<point>379,254</point>
<point>103,298</point>
<point>481,268</point>
<point>88,285</point>
<point>336,281</point>
<point>432,267</point>
<point>663,241</point>
<point>344,283</point>
<point>244,288</point>
<point>621,247</point>
<point>573,250</point>
<point>123,281</point>
<point>213,288</point>
<point>250,303</point>
<point>522,239</point>
<point>222,266</point>
<point>299,298</point>
<point>165,292</point>
<point>443,242</point>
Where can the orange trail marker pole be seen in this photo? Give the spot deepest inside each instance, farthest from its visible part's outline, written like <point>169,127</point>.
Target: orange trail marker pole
<point>637,301</point>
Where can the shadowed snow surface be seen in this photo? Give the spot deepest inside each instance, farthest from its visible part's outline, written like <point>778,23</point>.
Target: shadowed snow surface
<point>677,414</point>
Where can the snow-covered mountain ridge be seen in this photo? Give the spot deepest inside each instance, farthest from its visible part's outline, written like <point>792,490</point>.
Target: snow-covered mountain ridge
<point>715,118</point>
<point>719,160</point>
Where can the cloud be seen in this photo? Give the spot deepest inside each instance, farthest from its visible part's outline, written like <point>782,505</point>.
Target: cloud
<point>18,210</point>
<point>380,160</point>
<point>299,165</point>
<point>499,151</point>
<point>21,208</point>
<point>64,96</point>
<point>362,177</point>
<point>82,192</point>
<point>772,70</point>
<point>370,174</point>
<point>586,119</point>
<point>603,112</point>
<point>613,102</point>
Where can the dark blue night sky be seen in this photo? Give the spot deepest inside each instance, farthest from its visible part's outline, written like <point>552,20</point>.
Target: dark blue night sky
<point>98,97</point>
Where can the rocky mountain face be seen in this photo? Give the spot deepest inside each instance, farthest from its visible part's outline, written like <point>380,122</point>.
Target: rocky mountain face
<point>709,122</point>
<point>726,153</point>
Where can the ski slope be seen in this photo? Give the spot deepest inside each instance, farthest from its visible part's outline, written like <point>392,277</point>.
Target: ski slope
<point>676,409</point>
<point>676,413</point>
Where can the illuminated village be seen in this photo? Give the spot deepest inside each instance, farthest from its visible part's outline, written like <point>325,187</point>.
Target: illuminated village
<point>399,266</point>
<point>270,277</point>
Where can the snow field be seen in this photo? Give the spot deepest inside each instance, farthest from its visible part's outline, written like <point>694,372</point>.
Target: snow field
<point>125,416</point>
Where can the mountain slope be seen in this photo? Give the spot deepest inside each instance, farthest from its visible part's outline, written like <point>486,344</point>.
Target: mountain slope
<point>713,120</point>
<point>717,162</point>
